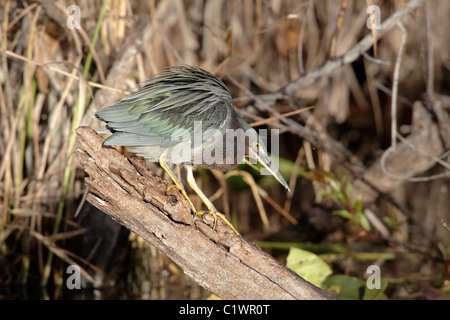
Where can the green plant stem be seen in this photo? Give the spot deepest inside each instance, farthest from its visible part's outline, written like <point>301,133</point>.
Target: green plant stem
<point>101,16</point>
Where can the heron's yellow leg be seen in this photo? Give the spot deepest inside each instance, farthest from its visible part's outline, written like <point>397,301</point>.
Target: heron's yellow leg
<point>174,178</point>
<point>190,178</point>
<point>212,210</point>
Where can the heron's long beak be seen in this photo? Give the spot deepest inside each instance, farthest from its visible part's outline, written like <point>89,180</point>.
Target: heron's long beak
<point>265,160</point>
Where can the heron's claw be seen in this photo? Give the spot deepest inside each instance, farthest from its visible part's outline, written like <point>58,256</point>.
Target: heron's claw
<point>183,193</point>
<point>173,186</point>
<point>216,214</point>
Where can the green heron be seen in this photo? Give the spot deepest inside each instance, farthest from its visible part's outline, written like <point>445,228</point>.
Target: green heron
<point>185,115</point>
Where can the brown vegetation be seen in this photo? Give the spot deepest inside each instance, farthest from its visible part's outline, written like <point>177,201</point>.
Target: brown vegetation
<point>374,146</point>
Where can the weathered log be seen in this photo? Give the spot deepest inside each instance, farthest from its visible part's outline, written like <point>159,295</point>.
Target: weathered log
<point>219,260</point>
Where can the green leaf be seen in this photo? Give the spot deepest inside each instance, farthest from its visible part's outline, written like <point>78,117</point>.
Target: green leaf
<point>308,265</point>
<point>390,223</point>
<point>363,221</point>
<point>348,188</point>
<point>344,214</point>
<point>350,288</point>
<point>358,204</point>
<point>344,287</point>
<point>376,294</point>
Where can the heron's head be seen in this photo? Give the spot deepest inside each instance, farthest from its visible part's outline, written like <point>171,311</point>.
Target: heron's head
<point>256,149</point>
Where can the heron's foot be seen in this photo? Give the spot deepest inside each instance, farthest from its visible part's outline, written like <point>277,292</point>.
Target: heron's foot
<point>183,193</point>
<point>215,215</point>
<point>173,186</point>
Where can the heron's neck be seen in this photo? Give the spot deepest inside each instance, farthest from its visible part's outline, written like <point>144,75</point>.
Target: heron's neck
<point>242,123</point>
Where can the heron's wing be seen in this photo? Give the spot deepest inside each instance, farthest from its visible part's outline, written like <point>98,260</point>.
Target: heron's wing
<point>172,107</point>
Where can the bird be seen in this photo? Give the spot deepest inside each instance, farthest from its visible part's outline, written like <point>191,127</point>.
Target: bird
<point>185,115</point>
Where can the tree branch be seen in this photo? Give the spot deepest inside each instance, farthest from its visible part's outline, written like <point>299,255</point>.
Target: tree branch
<point>350,56</point>
<point>289,91</point>
<point>226,264</point>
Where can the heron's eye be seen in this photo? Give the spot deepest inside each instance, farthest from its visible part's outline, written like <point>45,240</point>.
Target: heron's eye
<point>256,145</point>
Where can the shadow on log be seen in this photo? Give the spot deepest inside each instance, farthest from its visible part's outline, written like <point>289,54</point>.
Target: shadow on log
<point>219,260</point>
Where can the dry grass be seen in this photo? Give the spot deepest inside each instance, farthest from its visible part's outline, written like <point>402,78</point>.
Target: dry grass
<point>53,79</point>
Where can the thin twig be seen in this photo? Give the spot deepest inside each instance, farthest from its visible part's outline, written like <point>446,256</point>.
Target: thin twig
<point>254,188</point>
<point>45,65</point>
<point>394,134</point>
<point>395,86</point>
<point>88,43</point>
<point>350,56</point>
<point>301,69</point>
<point>430,53</point>
<point>415,179</point>
<point>293,180</point>
<point>375,60</point>
<point>281,116</point>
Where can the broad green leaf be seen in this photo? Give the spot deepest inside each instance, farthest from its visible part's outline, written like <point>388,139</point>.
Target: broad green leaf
<point>344,287</point>
<point>308,265</point>
<point>350,288</point>
<point>376,294</point>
